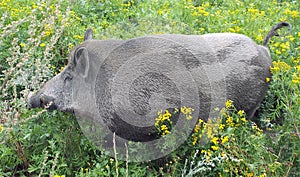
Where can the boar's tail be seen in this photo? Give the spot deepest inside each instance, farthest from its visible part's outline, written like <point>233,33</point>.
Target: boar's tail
<point>273,32</point>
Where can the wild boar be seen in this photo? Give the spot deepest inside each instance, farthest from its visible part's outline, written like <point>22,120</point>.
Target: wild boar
<point>124,83</point>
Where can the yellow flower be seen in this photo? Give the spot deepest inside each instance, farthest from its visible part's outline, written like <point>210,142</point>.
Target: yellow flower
<point>194,143</point>
<point>48,32</point>
<point>223,154</point>
<point>259,37</point>
<point>228,104</point>
<point>202,11</point>
<point>159,112</point>
<point>241,113</point>
<point>220,175</point>
<point>232,30</point>
<point>167,114</point>
<point>252,10</point>
<point>268,79</point>
<point>195,13</point>
<point>224,139</point>
<point>243,119</point>
<point>206,4</point>
<point>78,37</point>
<point>166,132</point>
<point>263,175</point>
<point>249,174</point>
<point>215,140</point>
<point>164,127</point>
<point>200,121</point>
<point>186,110</point>
<point>214,148</point>
<point>229,121</point>
<point>61,68</point>
<point>292,13</point>
<point>221,126</point>
<point>42,44</point>
<point>279,66</point>
<point>165,117</point>
<point>277,52</point>
<point>1,128</point>
<point>159,12</point>
<point>195,139</point>
<point>189,117</point>
<point>296,78</point>
<point>197,128</point>
<point>208,152</point>
<point>71,46</point>
<point>295,81</point>
<point>22,45</point>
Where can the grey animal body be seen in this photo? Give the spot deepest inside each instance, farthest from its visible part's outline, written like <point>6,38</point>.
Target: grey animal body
<point>135,78</point>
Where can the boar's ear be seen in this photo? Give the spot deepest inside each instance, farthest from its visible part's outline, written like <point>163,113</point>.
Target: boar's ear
<point>88,34</point>
<point>81,61</point>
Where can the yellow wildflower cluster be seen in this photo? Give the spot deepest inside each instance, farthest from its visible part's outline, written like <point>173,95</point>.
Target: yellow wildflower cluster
<point>164,8</point>
<point>235,29</point>
<point>187,112</point>
<point>213,131</point>
<point>128,4</point>
<point>282,47</point>
<point>104,24</point>
<point>296,77</point>
<point>163,122</point>
<point>13,8</point>
<point>296,61</point>
<point>249,175</point>
<point>78,37</point>
<point>228,104</point>
<point>292,13</point>
<point>255,13</point>
<point>279,66</point>
<point>48,30</point>
<point>263,175</point>
<point>224,139</point>
<point>257,130</point>
<point>229,121</point>
<point>71,46</point>
<point>206,127</point>
<point>74,16</point>
<point>207,154</point>
<point>200,10</point>
<point>234,120</point>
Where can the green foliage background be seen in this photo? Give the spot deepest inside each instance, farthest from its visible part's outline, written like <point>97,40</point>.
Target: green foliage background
<point>36,37</point>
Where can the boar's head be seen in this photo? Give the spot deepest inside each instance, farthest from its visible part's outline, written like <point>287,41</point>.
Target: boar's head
<point>57,92</point>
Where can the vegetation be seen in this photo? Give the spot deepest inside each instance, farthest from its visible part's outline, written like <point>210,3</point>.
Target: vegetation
<point>37,35</point>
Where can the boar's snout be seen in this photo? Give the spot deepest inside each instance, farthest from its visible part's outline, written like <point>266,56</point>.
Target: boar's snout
<point>41,100</point>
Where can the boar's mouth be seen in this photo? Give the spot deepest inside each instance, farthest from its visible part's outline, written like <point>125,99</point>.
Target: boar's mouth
<point>44,101</point>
